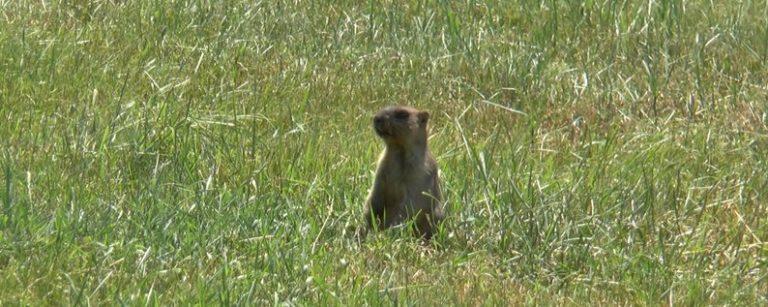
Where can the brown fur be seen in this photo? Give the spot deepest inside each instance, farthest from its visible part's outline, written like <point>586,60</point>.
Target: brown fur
<point>406,186</point>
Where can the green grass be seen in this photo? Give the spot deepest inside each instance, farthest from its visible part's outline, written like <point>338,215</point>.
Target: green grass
<point>595,152</point>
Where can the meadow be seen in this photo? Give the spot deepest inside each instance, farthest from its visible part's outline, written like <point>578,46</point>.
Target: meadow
<point>219,152</point>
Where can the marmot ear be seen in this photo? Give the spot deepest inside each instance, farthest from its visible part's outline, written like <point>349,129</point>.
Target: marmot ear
<point>423,117</point>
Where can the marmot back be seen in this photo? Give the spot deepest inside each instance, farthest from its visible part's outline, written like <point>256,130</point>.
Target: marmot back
<point>406,186</point>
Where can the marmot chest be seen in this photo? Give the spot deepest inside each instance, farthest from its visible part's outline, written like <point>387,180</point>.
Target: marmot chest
<point>407,182</point>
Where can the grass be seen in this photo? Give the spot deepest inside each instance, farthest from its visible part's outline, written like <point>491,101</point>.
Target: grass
<point>187,152</point>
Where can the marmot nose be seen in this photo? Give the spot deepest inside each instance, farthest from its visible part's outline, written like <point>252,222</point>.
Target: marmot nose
<point>378,120</point>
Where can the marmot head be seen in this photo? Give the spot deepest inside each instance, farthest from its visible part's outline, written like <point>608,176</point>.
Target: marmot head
<point>401,125</point>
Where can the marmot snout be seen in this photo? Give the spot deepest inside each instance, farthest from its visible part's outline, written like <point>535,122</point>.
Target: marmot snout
<point>406,187</point>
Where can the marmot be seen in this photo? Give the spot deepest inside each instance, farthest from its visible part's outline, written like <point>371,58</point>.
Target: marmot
<point>406,187</point>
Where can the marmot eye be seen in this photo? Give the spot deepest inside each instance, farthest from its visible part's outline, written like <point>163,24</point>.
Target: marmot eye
<point>402,115</point>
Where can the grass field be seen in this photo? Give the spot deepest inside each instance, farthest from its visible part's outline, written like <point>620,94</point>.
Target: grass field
<point>159,152</point>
